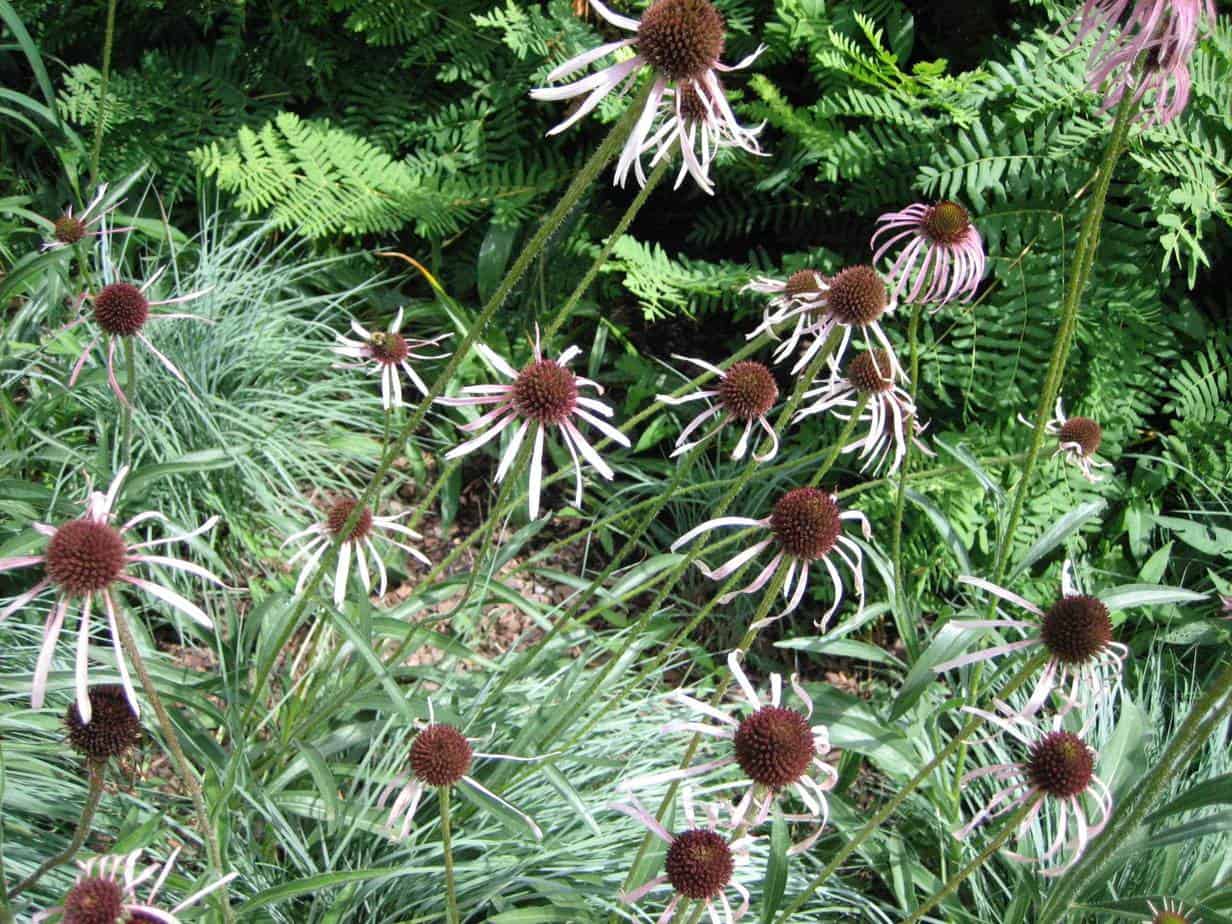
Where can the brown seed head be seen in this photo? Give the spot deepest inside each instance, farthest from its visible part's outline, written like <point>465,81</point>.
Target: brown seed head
<point>871,372</point>
<point>1061,765</point>
<point>121,309</point>
<point>96,900</point>
<point>857,296</point>
<point>113,729</point>
<point>947,222</point>
<point>1083,431</point>
<point>805,282</point>
<point>84,557</point>
<point>748,390</point>
<point>545,391</point>
<point>338,514</point>
<point>440,755</point>
<point>774,746</point>
<point>805,522</point>
<point>1076,629</point>
<point>69,230</point>
<point>681,39</point>
<point>389,349</point>
<point>699,864</point>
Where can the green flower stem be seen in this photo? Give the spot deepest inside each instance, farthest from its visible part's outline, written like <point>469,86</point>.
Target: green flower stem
<point>451,892</point>
<point>957,879</point>
<point>96,771</point>
<point>1205,716</point>
<point>870,826</point>
<point>183,768</point>
<point>939,471</point>
<point>130,383</point>
<point>900,500</point>
<point>104,78</point>
<point>1084,260</point>
<point>572,195</point>
<point>621,227</point>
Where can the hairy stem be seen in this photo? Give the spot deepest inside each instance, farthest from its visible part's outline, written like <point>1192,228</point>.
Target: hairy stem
<point>451,892</point>
<point>183,768</point>
<point>1204,718</point>
<point>104,78</point>
<point>900,500</point>
<point>994,845</point>
<point>130,383</point>
<point>870,826</point>
<point>96,771</point>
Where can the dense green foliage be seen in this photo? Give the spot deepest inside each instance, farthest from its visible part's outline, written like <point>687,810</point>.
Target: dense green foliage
<point>267,149</point>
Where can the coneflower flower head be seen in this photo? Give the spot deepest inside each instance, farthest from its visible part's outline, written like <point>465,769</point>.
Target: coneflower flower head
<point>1164,31</point>
<point>681,41</point>
<point>1084,662</point>
<point>113,730</point>
<point>941,254</point>
<point>1079,438</point>
<point>440,755</point>
<point>387,351</point>
<point>1171,912</point>
<point>121,309</point>
<point>851,301</point>
<point>72,228</point>
<point>745,393</point>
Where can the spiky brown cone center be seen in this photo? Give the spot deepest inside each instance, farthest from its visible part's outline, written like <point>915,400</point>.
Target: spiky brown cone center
<point>338,514</point>
<point>1076,629</point>
<point>113,729</point>
<point>871,372</point>
<point>774,746</point>
<point>545,391</point>
<point>748,390</point>
<point>440,755</point>
<point>69,230</point>
<point>121,309</point>
<point>806,523</point>
<point>857,296</point>
<point>947,222</point>
<point>1061,765</point>
<point>681,39</point>
<point>388,348</point>
<point>96,900</point>
<point>1083,431</point>
<point>803,283</point>
<point>84,557</point>
<point>699,864</point>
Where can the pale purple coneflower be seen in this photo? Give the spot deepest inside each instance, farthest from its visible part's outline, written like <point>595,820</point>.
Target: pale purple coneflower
<point>806,526</point>
<point>1079,438</point>
<point>1057,775</point>
<point>889,410</point>
<point>696,125</point>
<point>387,351</point>
<point>746,392</point>
<point>773,745</point>
<point>681,41</point>
<point>1084,663</point>
<point>85,559</point>
<point>121,309</point>
<point>1171,911</point>
<point>853,300</point>
<point>1164,31</point>
<point>106,891</point>
<point>69,229</point>
<point>358,544</point>
<point>700,861</point>
<point>543,395</point>
<point>440,756</point>
<point>941,257</point>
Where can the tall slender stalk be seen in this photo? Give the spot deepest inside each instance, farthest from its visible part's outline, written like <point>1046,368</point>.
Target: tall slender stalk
<point>875,822</point>
<point>900,500</point>
<point>1084,260</point>
<point>183,768</point>
<point>451,891</point>
<point>1205,717</point>
<point>104,78</point>
<point>130,384</point>
<point>95,770</point>
<point>572,195</point>
<point>951,885</point>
